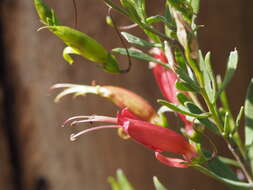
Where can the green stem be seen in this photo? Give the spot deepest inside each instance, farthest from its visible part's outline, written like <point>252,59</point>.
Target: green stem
<point>194,67</point>
<point>212,107</point>
<point>242,166</point>
<point>236,138</point>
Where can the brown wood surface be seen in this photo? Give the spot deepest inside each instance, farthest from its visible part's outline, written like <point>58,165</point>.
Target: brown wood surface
<point>48,160</point>
<point>6,172</point>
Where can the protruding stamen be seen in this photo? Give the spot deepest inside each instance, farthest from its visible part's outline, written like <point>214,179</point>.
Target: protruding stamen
<point>74,136</point>
<point>86,119</point>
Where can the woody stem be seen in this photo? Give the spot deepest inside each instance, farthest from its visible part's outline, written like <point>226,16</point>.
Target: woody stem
<point>238,159</point>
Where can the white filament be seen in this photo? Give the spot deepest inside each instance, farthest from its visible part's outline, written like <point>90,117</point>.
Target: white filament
<point>74,136</point>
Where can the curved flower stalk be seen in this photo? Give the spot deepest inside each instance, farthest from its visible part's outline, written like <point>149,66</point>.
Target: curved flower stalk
<point>154,137</point>
<point>166,80</point>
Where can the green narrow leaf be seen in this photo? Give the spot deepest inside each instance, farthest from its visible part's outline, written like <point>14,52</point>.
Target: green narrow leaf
<point>210,76</point>
<point>138,54</point>
<point>182,110</point>
<point>231,68</point>
<point>196,110</point>
<point>183,7</point>
<point>228,161</point>
<point>238,120</point>
<point>170,29</point>
<point>239,117</point>
<point>149,31</point>
<point>43,10</point>
<point>223,171</point>
<point>248,111</point>
<point>141,9</point>
<point>158,18</point>
<point>185,87</point>
<point>138,41</point>
<point>158,185</point>
<point>185,77</point>
<point>155,19</point>
<point>182,98</point>
<point>46,14</point>
<point>195,6</point>
<point>180,60</point>
<point>226,125</point>
<point>130,8</point>
<point>122,180</point>
<point>250,157</point>
<point>209,81</point>
<point>114,184</point>
<point>235,184</point>
<point>136,9</point>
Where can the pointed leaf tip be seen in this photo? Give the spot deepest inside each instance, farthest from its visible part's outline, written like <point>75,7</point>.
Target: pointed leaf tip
<point>114,184</point>
<point>158,185</point>
<point>46,14</point>
<point>231,68</point>
<point>123,181</point>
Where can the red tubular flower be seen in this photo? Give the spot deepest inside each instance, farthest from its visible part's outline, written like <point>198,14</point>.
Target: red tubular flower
<point>119,96</point>
<point>156,138</point>
<point>166,80</point>
<point>135,103</point>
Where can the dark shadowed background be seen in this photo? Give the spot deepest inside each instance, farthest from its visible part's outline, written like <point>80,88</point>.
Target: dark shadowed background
<point>36,154</point>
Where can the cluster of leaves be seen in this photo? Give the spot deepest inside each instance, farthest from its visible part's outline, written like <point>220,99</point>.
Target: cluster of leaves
<point>195,78</point>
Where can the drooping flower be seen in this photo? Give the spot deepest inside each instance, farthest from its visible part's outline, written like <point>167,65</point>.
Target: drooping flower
<point>166,80</point>
<point>156,138</point>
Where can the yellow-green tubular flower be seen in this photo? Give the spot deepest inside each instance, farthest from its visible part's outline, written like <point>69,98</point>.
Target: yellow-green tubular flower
<point>81,44</point>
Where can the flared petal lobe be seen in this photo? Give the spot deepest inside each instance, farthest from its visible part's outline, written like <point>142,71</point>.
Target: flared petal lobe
<point>173,162</point>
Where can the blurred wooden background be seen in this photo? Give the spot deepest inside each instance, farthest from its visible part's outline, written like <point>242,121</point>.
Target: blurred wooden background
<point>36,154</point>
